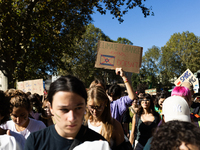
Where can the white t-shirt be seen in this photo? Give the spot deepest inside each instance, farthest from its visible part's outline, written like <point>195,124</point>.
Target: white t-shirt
<point>34,125</point>
<point>8,143</point>
<point>94,128</point>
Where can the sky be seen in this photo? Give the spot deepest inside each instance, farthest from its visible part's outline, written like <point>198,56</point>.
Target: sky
<point>170,16</point>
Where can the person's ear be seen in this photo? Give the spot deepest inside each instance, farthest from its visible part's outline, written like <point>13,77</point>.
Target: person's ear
<point>52,112</point>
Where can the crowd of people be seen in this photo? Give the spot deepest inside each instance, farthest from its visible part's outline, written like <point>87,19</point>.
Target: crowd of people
<point>71,117</point>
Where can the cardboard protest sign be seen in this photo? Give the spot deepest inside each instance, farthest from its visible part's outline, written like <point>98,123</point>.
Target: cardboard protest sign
<point>20,86</point>
<point>187,76</point>
<point>111,55</point>
<point>33,86</point>
<point>151,91</point>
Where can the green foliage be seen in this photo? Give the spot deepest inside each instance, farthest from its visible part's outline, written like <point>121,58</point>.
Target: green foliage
<point>81,64</point>
<point>119,8</point>
<point>159,66</point>
<point>35,34</point>
<point>149,70</point>
<point>181,52</point>
<point>151,60</point>
<point>123,41</point>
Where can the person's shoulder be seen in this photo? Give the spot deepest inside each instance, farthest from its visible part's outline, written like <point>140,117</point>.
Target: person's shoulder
<point>43,132</point>
<point>38,123</point>
<point>195,105</point>
<point>116,123</point>
<point>6,140</point>
<point>117,126</point>
<point>156,114</point>
<point>8,124</point>
<point>19,138</point>
<point>89,135</point>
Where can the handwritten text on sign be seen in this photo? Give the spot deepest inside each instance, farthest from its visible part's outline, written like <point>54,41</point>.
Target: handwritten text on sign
<point>33,86</point>
<point>187,76</point>
<point>112,55</point>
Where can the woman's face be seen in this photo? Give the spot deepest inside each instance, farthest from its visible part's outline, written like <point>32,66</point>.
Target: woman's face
<point>145,103</point>
<point>19,116</point>
<point>185,146</point>
<point>46,108</point>
<point>95,110</point>
<point>160,101</point>
<point>135,101</point>
<point>68,109</point>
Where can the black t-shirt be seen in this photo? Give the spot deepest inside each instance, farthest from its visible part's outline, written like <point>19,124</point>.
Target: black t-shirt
<point>49,139</point>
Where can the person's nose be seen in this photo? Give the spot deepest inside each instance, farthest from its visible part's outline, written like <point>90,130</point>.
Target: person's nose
<point>18,119</point>
<point>71,116</point>
<point>94,110</point>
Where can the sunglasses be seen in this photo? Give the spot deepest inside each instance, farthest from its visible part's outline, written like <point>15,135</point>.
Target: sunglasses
<point>144,100</point>
<point>97,108</point>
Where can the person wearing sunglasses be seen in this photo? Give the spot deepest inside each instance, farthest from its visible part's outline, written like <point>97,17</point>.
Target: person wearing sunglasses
<point>144,122</point>
<point>98,117</point>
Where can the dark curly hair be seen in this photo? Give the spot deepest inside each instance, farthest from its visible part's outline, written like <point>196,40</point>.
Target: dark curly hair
<point>4,107</point>
<point>162,94</point>
<point>115,91</point>
<point>170,135</point>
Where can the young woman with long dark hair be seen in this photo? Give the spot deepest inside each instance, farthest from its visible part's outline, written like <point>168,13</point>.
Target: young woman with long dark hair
<point>144,122</point>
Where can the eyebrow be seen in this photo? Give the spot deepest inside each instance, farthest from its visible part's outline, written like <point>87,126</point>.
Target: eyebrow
<point>61,106</point>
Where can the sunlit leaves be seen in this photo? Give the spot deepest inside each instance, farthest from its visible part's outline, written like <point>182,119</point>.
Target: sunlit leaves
<point>181,52</point>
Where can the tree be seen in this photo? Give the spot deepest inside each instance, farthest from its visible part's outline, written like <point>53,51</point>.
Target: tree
<point>151,60</point>
<point>124,41</point>
<point>149,70</point>
<point>82,64</point>
<point>35,34</point>
<point>181,52</point>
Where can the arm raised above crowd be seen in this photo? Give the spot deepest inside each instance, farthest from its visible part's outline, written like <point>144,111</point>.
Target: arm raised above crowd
<point>129,88</point>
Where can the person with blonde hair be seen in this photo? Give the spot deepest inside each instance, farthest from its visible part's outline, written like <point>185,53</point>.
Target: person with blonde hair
<point>98,117</point>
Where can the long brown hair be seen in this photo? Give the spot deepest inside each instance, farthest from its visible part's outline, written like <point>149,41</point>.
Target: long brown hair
<point>151,107</point>
<point>98,95</point>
